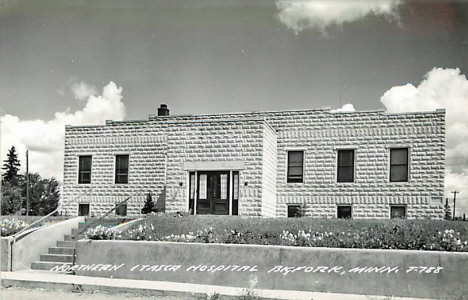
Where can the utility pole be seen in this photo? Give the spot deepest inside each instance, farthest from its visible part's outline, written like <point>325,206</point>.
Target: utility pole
<point>454,199</point>
<point>27,184</point>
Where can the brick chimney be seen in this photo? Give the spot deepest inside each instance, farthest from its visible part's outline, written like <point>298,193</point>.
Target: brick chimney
<point>163,110</point>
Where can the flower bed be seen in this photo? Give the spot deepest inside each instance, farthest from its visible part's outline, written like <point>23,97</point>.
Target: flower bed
<point>305,232</point>
<point>11,226</point>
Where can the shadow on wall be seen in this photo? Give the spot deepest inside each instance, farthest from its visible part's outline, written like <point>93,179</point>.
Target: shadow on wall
<point>161,202</point>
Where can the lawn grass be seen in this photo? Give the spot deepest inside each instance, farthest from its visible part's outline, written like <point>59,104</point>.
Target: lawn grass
<point>308,232</point>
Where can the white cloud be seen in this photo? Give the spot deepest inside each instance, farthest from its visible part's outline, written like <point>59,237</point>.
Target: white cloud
<point>300,15</point>
<point>82,91</point>
<point>346,108</point>
<point>441,88</point>
<point>45,139</point>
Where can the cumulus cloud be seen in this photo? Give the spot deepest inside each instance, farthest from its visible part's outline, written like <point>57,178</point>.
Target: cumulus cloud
<point>346,108</point>
<point>441,88</point>
<point>45,138</point>
<point>299,15</point>
<point>82,90</point>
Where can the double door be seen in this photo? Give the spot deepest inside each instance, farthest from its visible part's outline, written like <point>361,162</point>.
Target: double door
<point>213,193</point>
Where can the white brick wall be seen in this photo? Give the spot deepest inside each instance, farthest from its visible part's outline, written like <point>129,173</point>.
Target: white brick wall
<point>269,171</point>
<point>166,142</point>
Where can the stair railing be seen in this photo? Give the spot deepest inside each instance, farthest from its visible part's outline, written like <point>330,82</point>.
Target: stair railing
<point>73,237</point>
<point>61,205</point>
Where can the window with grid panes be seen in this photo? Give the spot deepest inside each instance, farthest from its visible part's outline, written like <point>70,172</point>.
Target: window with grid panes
<point>345,170</point>
<point>121,169</point>
<point>295,166</point>
<point>399,165</point>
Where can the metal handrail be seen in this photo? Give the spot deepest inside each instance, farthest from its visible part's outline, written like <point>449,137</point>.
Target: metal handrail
<point>106,214</point>
<point>13,241</point>
<point>73,237</point>
<point>48,215</point>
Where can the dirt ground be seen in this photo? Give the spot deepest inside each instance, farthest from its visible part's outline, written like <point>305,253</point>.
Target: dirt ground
<point>15,293</point>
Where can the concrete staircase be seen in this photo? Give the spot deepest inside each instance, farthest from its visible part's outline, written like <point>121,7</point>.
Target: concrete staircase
<point>63,252</point>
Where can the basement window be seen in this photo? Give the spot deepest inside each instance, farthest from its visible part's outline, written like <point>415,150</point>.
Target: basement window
<point>294,210</point>
<point>398,212</point>
<point>344,212</point>
<point>83,209</point>
<point>121,210</point>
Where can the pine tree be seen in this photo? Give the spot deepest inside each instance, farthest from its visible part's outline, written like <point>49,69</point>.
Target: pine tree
<point>448,210</point>
<point>11,166</point>
<point>149,205</point>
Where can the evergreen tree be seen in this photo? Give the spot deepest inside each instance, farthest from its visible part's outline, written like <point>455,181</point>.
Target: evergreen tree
<point>11,199</point>
<point>11,166</point>
<point>149,205</point>
<point>448,210</point>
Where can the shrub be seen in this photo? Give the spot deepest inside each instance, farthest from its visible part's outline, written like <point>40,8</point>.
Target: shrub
<point>100,233</point>
<point>10,227</point>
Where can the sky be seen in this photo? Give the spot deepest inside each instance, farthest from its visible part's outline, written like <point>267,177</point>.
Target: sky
<point>81,62</point>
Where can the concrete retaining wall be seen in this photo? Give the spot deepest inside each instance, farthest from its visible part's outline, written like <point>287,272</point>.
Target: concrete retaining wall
<point>428,274</point>
<point>30,248</point>
<point>5,255</point>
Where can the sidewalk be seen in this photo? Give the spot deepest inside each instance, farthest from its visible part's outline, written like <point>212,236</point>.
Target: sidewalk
<point>54,281</point>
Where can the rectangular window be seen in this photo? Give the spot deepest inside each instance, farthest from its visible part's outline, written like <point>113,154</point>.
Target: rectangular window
<point>399,165</point>
<point>344,212</point>
<point>83,209</point>
<point>398,212</point>
<point>121,169</point>
<point>294,211</point>
<point>224,186</point>
<point>202,189</point>
<point>235,193</point>
<point>192,184</point>
<point>345,171</point>
<point>295,166</point>
<point>84,169</point>
<point>121,210</point>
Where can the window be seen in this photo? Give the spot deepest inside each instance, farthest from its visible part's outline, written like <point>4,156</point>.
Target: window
<point>235,193</point>
<point>398,212</point>
<point>121,169</point>
<point>83,209</point>
<point>399,165</point>
<point>84,169</point>
<point>121,210</point>
<point>294,211</point>
<point>295,166</point>
<point>192,184</point>
<point>344,212</point>
<point>345,171</point>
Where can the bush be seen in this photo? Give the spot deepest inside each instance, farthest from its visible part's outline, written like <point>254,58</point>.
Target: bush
<point>10,227</point>
<point>100,233</point>
<point>305,232</point>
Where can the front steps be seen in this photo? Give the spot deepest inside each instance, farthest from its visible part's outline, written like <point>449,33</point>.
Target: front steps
<point>62,254</point>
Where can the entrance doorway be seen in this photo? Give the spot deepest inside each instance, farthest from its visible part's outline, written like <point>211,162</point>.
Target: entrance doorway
<point>214,192</point>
